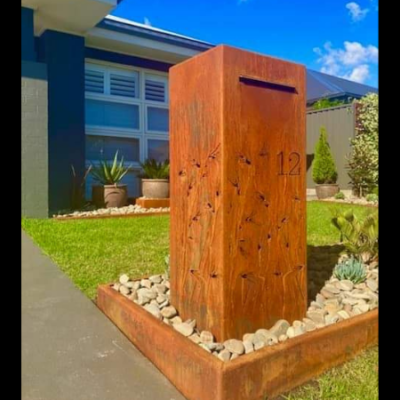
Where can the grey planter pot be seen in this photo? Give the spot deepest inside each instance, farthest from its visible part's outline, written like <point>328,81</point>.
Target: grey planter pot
<point>155,188</point>
<point>326,190</point>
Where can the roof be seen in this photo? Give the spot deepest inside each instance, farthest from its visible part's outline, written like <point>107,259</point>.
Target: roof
<point>135,28</point>
<point>320,85</point>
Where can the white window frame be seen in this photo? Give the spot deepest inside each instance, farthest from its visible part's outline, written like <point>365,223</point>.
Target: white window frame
<point>143,134</point>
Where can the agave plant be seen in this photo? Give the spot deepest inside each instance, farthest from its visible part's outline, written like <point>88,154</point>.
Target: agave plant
<point>351,269</point>
<point>110,173</point>
<point>155,170</point>
<point>359,238</point>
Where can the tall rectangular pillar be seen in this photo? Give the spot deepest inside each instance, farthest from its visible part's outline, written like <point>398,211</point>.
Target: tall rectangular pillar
<point>238,206</point>
<point>64,55</point>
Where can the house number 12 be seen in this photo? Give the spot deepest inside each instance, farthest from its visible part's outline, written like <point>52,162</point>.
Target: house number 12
<point>289,165</point>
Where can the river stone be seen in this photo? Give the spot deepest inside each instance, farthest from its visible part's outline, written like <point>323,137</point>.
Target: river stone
<point>166,303</point>
<point>153,309</point>
<point>310,325</point>
<point>124,290</point>
<point>343,314</point>
<point>195,338</point>
<point>331,319</point>
<point>234,346</point>
<point>204,346</point>
<point>320,299</point>
<point>169,312</point>
<point>280,327</point>
<point>145,283</point>
<point>184,328</point>
<point>259,345</point>
<point>283,338</point>
<point>167,284</point>
<point>248,346</point>
<point>116,286</point>
<point>332,288</point>
<point>133,295</point>
<point>160,289</point>
<point>345,285</point>
<point>176,320</point>
<point>317,316</point>
<point>219,347</point>
<point>161,298</point>
<point>191,322</point>
<point>234,355</point>
<point>350,301</point>
<point>206,337</point>
<point>363,307</point>
<point>155,279</point>
<point>123,279</point>
<point>130,284</point>
<point>327,294</point>
<point>248,337</point>
<point>290,332</point>
<point>224,355</point>
<point>372,284</point>
<point>211,346</point>
<point>142,300</point>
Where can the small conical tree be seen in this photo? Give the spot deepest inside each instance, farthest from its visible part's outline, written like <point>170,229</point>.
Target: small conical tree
<point>323,166</point>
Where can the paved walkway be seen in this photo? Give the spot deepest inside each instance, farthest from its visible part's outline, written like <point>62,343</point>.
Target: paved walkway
<point>70,350</point>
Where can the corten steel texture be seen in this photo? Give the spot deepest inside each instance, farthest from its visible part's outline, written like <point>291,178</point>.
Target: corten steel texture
<point>270,371</point>
<point>238,195</point>
<point>152,203</point>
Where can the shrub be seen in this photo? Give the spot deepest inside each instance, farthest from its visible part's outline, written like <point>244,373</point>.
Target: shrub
<point>350,269</point>
<point>340,196</point>
<point>372,197</point>
<point>110,174</point>
<point>154,170</point>
<point>363,162</point>
<point>327,103</point>
<point>360,239</point>
<point>323,166</point>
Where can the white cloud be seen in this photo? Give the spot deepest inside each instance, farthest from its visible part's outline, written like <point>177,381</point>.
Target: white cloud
<point>356,12</point>
<point>350,62</point>
<point>359,74</point>
<point>147,21</point>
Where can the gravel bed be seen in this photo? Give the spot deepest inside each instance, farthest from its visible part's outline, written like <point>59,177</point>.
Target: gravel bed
<point>131,209</point>
<point>337,301</point>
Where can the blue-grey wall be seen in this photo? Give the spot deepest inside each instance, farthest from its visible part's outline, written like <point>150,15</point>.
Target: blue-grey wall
<point>64,55</point>
<point>27,35</point>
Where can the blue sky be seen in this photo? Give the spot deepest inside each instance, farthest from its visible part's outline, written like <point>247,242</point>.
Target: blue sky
<point>339,37</point>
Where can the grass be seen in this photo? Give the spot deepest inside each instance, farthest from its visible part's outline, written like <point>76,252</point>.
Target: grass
<point>92,252</point>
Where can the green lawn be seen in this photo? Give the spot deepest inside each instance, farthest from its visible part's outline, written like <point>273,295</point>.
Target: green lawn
<point>92,252</point>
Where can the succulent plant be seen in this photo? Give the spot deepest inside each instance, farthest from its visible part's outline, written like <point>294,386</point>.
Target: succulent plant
<point>351,269</point>
<point>155,170</point>
<point>339,196</point>
<point>372,197</point>
<point>110,174</point>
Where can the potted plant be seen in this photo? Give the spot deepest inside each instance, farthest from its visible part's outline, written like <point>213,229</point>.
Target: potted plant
<point>111,193</point>
<point>324,171</point>
<point>155,179</point>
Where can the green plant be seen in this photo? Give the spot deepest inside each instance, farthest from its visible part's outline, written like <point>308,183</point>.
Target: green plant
<point>375,190</point>
<point>110,173</point>
<point>372,197</point>
<point>78,189</point>
<point>350,269</point>
<point>155,170</point>
<point>327,103</point>
<point>340,196</point>
<point>359,238</point>
<point>323,166</point>
<point>363,162</point>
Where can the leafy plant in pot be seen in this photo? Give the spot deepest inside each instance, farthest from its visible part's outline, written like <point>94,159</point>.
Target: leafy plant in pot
<point>110,193</point>
<point>324,171</point>
<point>155,179</point>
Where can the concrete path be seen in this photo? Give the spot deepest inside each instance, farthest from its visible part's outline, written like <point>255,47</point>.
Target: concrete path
<point>70,350</point>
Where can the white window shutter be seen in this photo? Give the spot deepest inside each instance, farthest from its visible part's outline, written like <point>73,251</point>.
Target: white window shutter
<point>155,89</point>
<point>94,81</point>
<point>124,85</point>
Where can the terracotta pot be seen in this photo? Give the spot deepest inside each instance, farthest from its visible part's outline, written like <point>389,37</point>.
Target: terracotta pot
<point>98,195</point>
<point>115,195</point>
<point>326,190</point>
<point>155,188</point>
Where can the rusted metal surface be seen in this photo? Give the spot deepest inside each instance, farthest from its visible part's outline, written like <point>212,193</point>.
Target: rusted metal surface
<point>270,371</point>
<point>152,203</point>
<point>149,214</point>
<point>194,372</point>
<point>238,195</point>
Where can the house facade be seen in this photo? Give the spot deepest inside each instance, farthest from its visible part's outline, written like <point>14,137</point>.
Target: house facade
<point>91,84</point>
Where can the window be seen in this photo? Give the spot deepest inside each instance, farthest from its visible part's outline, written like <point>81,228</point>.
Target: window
<point>126,110</point>
<point>158,149</point>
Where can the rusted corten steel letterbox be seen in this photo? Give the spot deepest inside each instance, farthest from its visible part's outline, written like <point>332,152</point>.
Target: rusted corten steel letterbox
<point>238,206</point>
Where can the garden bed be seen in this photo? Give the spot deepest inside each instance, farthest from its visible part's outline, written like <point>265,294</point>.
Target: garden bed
<point>340,322</point>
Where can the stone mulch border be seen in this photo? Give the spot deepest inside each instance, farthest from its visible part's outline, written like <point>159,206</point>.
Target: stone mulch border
<point>132,215</point>
<point>346,202</point>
